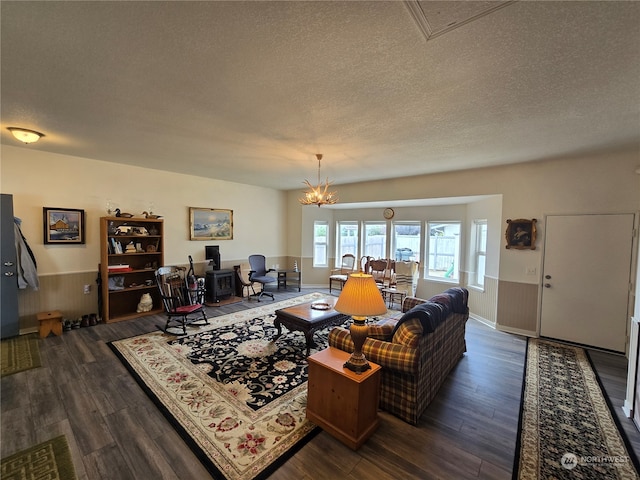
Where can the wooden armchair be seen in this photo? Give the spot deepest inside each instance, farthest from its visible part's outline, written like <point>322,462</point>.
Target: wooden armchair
<point>341,275</point>
<point>378,269</point>
<point>383,271</point>
<point>364,264</point>
<point>242,280</point>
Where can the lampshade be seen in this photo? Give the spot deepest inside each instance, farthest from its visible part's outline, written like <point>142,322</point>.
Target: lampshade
<point>360,297</point>
<point>25,135</point>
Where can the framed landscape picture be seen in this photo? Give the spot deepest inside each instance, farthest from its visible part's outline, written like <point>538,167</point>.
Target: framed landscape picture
<point>63,225</point>
<point>210,224</point>
<point>521,234</point>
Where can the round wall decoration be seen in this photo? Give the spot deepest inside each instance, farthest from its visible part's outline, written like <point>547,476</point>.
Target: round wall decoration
<point>388,213</point>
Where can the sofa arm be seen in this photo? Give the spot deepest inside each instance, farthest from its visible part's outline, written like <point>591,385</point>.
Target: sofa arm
<point>386,354</point>
<point>381,331</point>
<point>410,302</point>
<point>339,337</point>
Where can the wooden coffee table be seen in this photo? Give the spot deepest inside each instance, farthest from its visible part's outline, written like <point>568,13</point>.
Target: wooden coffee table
<point>306,319</point>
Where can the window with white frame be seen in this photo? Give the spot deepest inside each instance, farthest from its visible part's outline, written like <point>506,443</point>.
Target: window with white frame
<point>347,240</point>
<point>320,243</point>
<point>443,250</point>
<point>406,241</point>
<point>479,253</point>
<point>375,240</point>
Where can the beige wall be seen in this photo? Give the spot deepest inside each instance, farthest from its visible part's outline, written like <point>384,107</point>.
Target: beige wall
<point>489,207</point>
<point>38,179</point>
<point>603,183</point>
<point>597,184</point>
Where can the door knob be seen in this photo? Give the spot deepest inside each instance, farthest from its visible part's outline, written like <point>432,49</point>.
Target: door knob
<point>8,274</point>
<point>547,285</point>
<point>548,277</point>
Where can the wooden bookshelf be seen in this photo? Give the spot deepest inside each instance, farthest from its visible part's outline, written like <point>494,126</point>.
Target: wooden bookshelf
<point>133,248</point>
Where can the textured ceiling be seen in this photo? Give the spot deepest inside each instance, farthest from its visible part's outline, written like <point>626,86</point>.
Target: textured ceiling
<point>250,91</point>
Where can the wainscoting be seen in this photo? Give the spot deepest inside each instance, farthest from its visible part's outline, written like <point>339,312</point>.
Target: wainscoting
<point>517,307</point>
<point>507,304</point>
<point>483,304</point>
<point>62,292</point>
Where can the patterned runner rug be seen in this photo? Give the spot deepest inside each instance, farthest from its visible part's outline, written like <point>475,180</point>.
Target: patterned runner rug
<point>48,460</point>
<point>237,397</point>
<point>18,354</point>
<point>567,429</point>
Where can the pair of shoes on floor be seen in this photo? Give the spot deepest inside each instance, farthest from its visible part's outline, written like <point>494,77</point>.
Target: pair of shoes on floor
<point>89,320</point>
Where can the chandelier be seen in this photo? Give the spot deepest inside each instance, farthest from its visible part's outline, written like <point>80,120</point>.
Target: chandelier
<point>319,195</point>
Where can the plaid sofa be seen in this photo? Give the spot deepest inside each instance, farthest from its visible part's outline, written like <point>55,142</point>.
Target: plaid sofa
<point>416,350</point>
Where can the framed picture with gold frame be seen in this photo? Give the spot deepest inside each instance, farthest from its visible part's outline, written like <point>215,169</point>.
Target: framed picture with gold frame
<point>210,224</point>
<point>521,234</point>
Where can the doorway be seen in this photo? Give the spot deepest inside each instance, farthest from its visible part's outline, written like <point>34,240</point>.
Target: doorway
<point>586,275</point>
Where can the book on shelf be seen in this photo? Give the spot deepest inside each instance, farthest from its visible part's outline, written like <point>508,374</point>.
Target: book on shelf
<point>119,268</point>
<point>116,247</point>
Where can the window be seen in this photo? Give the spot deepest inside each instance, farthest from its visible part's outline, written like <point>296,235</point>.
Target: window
<point>347,240</point>
<point>320,246</point>
<point>406,241</point>
<point>479,252</point>
<point>375,239</point>
<point>443,247</point>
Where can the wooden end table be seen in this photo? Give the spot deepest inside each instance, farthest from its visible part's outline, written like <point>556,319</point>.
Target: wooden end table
<point>342,402</point>
<point>306,319</point>
<point>285,275</point>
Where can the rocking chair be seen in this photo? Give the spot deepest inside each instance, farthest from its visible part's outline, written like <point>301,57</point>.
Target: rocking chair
<point>178,300</point>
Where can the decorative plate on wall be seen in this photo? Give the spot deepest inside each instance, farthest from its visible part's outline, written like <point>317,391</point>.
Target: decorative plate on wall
<point>388,213</point>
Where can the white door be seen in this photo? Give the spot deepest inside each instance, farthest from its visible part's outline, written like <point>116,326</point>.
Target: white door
<point>586,274</point>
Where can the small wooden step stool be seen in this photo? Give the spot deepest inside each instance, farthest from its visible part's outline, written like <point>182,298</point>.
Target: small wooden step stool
<point>50,322</point>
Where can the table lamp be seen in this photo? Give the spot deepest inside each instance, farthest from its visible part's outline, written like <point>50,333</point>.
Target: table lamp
<point>360,298</point>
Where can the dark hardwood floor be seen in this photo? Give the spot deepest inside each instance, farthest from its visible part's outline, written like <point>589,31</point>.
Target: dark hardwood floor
<point>115,432</point>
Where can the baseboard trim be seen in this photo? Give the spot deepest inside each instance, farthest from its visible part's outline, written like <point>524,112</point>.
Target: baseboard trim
<point>517,331</point>
<point>488,323</point>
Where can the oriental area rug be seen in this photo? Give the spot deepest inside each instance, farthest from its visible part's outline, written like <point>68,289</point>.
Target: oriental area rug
<point>237,397</point>
<point>567,429</point>
<point>18,354</point>
<point>47,460</point>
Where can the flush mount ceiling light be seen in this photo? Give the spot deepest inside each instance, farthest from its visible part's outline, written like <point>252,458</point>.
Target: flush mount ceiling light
<point>25,135</point>
<point>320,194</point>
